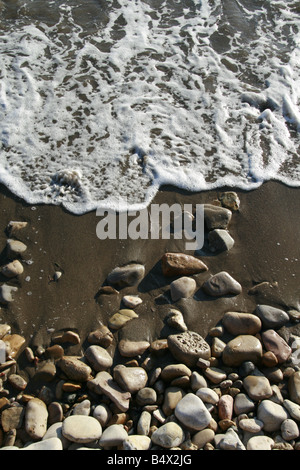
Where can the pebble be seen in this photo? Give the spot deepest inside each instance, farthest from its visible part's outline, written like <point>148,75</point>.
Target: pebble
<point>252,425</point>
<point>102,336</point>
<point>187,347</point>
<point>15,226</point>
<point>225,407</point>
<point>130,379</point>
<point>271,414</point>
<point>13,269</point>
<point>136,442</point>
<point>271,317</point>
<point>237,323</point>
<point>98,358</point>
<point>215,375</point>
<point>75,368</point>
<point>201,438</point>
<point>131,301</point>
<point>294,387</point>
<point>53,443</point>
<point>168,435</point>
<point>260,443</point>
<point>129,348</point>
<point>192,413</point>
<point>119,319</point>
<point>230,200</point>
<point>103,414</point>
<point>113,436</point>
<point>172,396</point>
<point>277,345</point>
<point>146,396</point>
<point>182,288</point>
<point>292,408</point>
<point>180,264</point>
<point>289,430</point>
<point>175,320</point>
<point>172,371</point>
<point>12,417</point>
<point>36,416</point>
<point>242,348</point>
<point>222,284</point>
<point>231,441</point>
<point>208,395</point>
<point>243,404</point>
<point>216,217</point>
<point>7,293</point>
<point>103,383</point>
<point>257,387</point>
<point>81,429</point>
<point>144,423</point>
<point>129,275</point>
<point>15,248</point>
<point>220,240</point>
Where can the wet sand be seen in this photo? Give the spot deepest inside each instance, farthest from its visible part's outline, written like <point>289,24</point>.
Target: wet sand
<point>266,231</point>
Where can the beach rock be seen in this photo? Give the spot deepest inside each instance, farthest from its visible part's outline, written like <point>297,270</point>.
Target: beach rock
<point>271,317</point>
<point>201,438</point>
<point>217,347</point>
<point>131,301</point>
<point>98,358</point>
<point>215,375</point>
<point>182,288</point>
<point>113,436</point>
<point>13,269</point>
<point>4,330</point>
<point>257,387</point>
<point>237,323</point>
<point>81,429</point>
<point>74,368</point>
<point>45,371</point>
<point>230,200</point>
<point>53,443</point>
<point>242,348</point>
<point>220,240</point>
<point>82,408</point>
<point>15,248</point>
<point>129,348</point>
<point>289,429</point>
<point>292,408</point>
<point>6,293</point>
<point>180,264</point>
<point>102,337</point>
<point>216,217</point>
<point>251,425</point>
<point>146,396</point>
<point>260,443</point>
<point>231,441</point>
<point>55,413</point>
<point>294,387</point>
<point>14,344</point>
<point>243,404</point>
<point>175,320</point>
<point>68,336</point>
<point>102,413</point>
<point>269,359</point>
<point>168,435</point>
<point>225,407</point>
<point>222,284</point>
<point>208,395</point>
<point>172,396</point>
<point>277,345</point>
<point>119,319</point>
<point>18,382</point>
<point>36,416</point>
<point>187,347</point>
<point>192,413</point>
<point>130,379</point>
<point>15,226</point>
<point>128,275</point>
<point>12,417</point>
<point>136,442</point>
<point>144,423</point>
<point>172,371</point>
<point>103,383</point>
<point>272,415</point>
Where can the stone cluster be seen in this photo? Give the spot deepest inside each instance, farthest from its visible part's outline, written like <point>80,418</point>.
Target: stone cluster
<point>236,389</point>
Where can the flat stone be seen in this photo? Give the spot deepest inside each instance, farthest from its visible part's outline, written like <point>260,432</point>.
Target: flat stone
<point>271,317</point>
<point>168,435</point>
<point>129,348</point>
<point>252,425</point>
<point>81,429</point>
<point>103,383</point>
<point>102,336</point>
<point>257,387</point>
<point>98,358</point>
<point>13,269</point>
<point>12,417</point>
<point>130,379</point>
<point>192,412</point>
<point>7,293</point>
<point>294,387</point>
<point>187,347</point>
<point>272,415</point>
<point>260,443</point>
<point>237,323</point>
<point>15,248</point>
<point>119,319</point>
<point>220,240</point>
<point>172,371</point>
<point>113,436</point>
<point>36,416</point>
<point>277,345</point>
<point>182,288</point>
<point>131,301</point>
<point>216,217</point>
<point>222,284</point>
<point>128,275</point>
<point>74,368</point>
<point>53,443</point>
<point>242,348</point>
<point>180,264</point>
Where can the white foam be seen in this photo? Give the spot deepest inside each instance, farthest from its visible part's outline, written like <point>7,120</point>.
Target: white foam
<point>193,94</point>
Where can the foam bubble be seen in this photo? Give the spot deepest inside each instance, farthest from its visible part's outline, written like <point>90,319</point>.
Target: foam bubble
<point>193,94</point>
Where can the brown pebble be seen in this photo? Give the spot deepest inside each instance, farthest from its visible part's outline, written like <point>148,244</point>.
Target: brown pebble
<point>54,352</point>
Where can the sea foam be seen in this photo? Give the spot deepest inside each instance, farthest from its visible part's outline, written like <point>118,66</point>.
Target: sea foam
<point>194,94</point>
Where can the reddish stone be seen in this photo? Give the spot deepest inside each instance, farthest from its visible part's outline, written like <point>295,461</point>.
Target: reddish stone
<point>179,264</point>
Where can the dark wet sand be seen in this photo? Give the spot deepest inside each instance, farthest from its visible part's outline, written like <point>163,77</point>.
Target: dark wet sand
<point>266,231</point>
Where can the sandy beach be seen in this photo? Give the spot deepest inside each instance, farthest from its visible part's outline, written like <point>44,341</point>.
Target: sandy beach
<point>266,232</point>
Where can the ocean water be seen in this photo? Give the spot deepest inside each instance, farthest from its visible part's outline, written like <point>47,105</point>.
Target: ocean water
<point>107,100</point>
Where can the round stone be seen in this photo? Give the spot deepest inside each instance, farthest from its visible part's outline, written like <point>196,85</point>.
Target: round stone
<point>192,412</point>
<point>272,415</point>
<point>237,323</point>
<point>102,336</point>
<point>257,387</point>
<point>252,425</point>
<point>271,317</point>
<point>129,348</point>
<point>182,288</point>
<point>260,443</point>
<point>172,396</point>
<point>187,347</point>
<point>201,438</point>
<point>113,436</point>
<point>130,379</point>
<point>208,395</point>
<point>168,435</point>
<point>98,357</point>
<point>102,413</point>
<point>81,429</point>
<point>243,404</point>
<point>289,430</point>
<point>242,348</point>
<point>146,396</point>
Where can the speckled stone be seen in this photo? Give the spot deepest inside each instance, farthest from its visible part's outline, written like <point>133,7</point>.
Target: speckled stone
<point>187,347</point>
